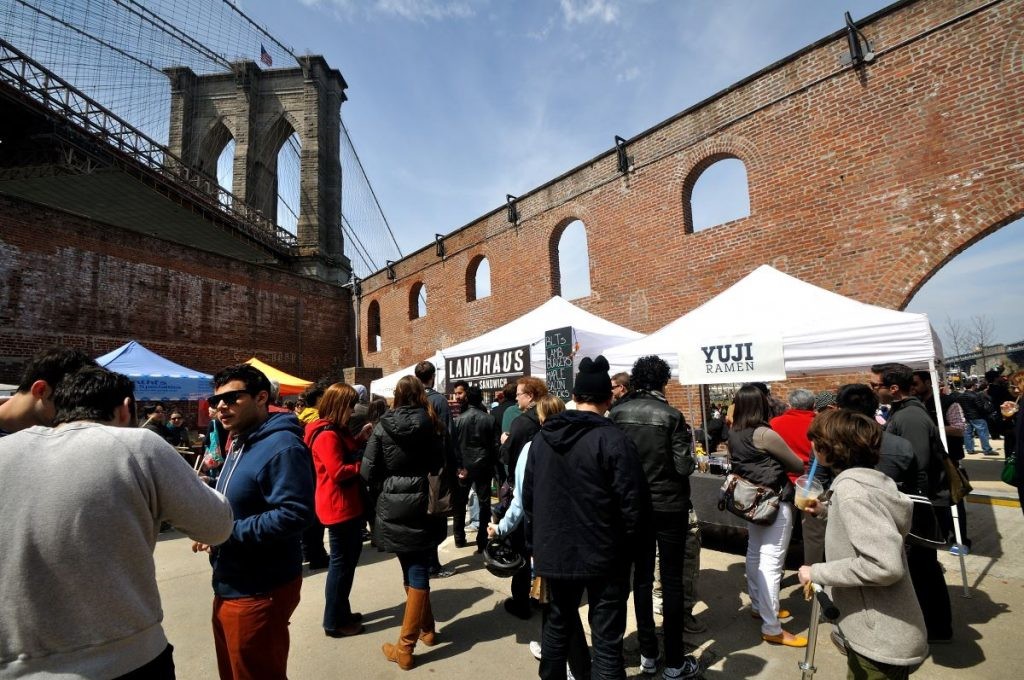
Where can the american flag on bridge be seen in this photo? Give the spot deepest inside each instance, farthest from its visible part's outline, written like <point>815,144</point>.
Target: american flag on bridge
<point>265,56</point>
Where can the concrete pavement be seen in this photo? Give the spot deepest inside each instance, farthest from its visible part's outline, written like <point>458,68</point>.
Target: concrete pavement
<point>479,639</point>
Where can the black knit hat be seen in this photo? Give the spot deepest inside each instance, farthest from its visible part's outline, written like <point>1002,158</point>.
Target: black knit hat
<point>593,380</point>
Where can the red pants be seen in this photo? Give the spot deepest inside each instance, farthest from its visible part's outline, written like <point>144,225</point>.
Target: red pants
<point>251,633</point>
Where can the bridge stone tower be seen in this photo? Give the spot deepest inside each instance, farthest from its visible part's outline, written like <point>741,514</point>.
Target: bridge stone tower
<point>260,109</point>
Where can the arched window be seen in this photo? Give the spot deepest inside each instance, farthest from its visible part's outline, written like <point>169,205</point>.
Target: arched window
<point>289,158</point>
<point>571,262</point>
<point>226,168</point>
<point>717,192</point>
<point>478,279</point>
<point>373,343</point>
<point>418,301</point>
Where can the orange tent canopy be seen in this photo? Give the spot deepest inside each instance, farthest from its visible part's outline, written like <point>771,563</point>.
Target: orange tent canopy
<point>289,383</point>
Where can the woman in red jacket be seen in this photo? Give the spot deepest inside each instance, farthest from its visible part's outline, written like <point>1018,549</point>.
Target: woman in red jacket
<point>339,505</point>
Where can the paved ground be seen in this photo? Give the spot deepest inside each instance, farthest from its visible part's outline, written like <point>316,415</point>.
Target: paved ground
<point>481,640</point>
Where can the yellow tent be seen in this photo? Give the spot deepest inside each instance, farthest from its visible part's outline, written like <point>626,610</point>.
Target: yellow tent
<point>289,383</point>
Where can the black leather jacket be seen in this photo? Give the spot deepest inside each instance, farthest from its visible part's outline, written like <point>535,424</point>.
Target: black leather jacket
<point>475,434</point>
<point>663,440</point>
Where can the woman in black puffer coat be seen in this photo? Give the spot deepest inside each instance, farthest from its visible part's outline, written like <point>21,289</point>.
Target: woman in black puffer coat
<point>405,446</point>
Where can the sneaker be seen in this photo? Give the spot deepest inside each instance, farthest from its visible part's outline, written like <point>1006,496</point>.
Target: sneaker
<point>648,665</point>
<point>535,649</point>
<point>568,672</point>
<point>959,549</point>
<point>692,625</point>
<point>442,572</point>
<point>838,641</point>
<point>689,669</point>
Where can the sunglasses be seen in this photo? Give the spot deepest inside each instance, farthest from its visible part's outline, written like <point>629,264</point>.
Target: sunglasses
<point>229,398</point>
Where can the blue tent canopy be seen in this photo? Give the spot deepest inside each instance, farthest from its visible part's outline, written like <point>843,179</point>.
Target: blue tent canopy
<point>156,378</point>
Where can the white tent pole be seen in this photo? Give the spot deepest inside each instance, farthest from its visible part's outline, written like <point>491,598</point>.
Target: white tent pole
<point>954,512</point>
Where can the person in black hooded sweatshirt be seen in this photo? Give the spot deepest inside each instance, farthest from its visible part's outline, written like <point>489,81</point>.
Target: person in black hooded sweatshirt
<point>585,497</point>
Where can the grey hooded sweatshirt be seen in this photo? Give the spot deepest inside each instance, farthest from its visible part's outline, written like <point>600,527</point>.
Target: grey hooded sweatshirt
<point>867,569</point>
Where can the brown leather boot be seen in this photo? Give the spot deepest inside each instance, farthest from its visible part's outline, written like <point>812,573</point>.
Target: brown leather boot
<point>401,652</point>
<point>428,634</point>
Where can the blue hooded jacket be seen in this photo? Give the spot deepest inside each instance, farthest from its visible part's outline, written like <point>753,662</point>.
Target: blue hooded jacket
<point>269,482</point>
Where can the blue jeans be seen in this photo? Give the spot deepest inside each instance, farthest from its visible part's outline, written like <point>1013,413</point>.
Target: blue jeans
<point>346,541</point>
<point>562,627</point>
<point>416,568</point>
<point>980,426</point>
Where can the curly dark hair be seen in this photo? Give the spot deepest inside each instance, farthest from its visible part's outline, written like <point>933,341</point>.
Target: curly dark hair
<point>650,373</point>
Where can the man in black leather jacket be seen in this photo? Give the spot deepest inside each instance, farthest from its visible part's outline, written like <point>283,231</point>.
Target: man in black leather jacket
<point>475,441</point>
<point>663,442</point>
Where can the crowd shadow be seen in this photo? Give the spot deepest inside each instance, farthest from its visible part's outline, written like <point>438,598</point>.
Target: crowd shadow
<point>965,650</point>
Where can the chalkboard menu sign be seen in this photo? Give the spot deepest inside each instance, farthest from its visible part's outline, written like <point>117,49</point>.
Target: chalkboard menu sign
<point>558,362</point>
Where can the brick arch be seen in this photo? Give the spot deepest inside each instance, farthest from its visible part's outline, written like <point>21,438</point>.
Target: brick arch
<point>553,240</point>
<point>471,273</point>
<point>704,155</point>
<point>989,214</point>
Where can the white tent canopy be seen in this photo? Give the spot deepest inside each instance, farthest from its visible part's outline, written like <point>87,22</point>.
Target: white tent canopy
<point>385,386</point>
<point>821,331</point>
<point>593,334</point>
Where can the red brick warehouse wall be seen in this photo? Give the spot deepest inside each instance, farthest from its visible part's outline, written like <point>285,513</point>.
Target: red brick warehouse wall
<point>863,181</point>
<point>71,281</point>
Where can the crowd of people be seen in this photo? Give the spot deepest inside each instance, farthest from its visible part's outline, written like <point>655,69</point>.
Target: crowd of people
<point>594,499</point>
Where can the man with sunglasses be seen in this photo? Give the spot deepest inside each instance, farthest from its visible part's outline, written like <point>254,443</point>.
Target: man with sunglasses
<point>257,572</point>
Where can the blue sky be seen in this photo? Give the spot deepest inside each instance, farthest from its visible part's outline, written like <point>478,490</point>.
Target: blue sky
<point>455,103</point>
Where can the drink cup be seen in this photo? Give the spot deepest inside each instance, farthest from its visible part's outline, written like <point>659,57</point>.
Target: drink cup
<point>1008,408</point>
<point>807,492</point>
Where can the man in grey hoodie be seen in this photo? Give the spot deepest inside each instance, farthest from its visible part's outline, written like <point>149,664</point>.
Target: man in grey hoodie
<point>82,505</point>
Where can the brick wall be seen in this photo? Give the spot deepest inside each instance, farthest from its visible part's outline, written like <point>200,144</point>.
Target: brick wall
<point>864,182</point>
<point>71,281</point>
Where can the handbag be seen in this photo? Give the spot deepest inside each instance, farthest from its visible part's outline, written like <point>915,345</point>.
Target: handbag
<point>753,502</point>
<point>1009,473</point>
<point>924,525</point>
<point>959,484</point>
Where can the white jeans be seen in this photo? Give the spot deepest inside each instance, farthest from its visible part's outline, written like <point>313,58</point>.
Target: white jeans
<point>766,554</point>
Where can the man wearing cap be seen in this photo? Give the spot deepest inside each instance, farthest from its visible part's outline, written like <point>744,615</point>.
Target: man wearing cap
<point>586,499</point>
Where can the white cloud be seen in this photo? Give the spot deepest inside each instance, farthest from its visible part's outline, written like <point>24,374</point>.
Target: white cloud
<point>629,75</point>
<point>582,11</point>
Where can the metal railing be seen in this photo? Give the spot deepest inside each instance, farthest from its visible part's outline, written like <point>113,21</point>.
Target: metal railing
<point>31,79</point>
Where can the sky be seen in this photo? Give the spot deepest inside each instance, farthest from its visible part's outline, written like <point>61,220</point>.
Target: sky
<point>452,104</point>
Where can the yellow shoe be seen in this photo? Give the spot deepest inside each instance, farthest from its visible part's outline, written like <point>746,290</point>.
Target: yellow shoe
<point>786,639</point>
<point>783,614</point>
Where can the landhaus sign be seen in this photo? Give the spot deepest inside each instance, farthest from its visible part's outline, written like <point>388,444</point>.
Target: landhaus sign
<point>735,359</point>
<point>488,370</point>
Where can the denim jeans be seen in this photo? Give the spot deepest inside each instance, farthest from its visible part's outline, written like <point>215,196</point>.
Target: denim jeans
<point>669,533</point>
<point>346,540</point>
<point>607,598</point>
<point>979,426</point>
<point>416,568</point>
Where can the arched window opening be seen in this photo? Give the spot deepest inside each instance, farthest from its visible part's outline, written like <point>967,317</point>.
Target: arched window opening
<point>718,193</point>
<point>971,312</point>
<point>373,343</point>
<point>478,279</point>
<point>418,301</point>
<point>226,170</point>
<point>573,275</point>
<point>286,183</point>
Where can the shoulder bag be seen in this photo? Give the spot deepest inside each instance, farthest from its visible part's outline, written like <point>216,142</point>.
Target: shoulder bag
<point>924,526</point>
<point>753,502</point>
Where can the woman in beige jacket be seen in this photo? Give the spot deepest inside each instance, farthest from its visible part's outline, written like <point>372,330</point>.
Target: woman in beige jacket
<point>865,565</point>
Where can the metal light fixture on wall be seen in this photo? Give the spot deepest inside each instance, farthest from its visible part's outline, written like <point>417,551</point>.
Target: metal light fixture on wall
<point>624,161</point>
<point>390,266</point>
<point>860,48</point>
<point>510,203</point>
<point>439,245</point>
